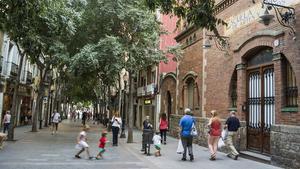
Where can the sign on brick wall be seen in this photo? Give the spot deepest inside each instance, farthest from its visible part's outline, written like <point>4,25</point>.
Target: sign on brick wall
<point>250,15</point>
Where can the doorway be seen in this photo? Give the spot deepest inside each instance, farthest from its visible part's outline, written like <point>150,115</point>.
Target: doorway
<point>261,103</point>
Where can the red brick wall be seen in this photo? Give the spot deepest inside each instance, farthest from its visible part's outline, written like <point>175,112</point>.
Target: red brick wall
<point>244,43</point>
<point>191,62</point>
<point>219,68</point>
<point>167,40</point>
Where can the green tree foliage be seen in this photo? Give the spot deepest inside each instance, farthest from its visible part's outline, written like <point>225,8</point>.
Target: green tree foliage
<point>196,12</point>
<point>114,35</point>
<point>39,29</point>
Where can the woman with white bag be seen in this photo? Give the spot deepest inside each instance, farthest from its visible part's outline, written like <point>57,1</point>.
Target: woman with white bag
<point>214,134</point>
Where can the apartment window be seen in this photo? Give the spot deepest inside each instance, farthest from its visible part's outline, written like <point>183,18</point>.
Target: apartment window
<point>142,79</point>
<point>153,77</point>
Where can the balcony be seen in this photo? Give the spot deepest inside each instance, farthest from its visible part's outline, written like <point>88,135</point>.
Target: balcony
<point>29,77</point>
<point>14,69</point>
<point>146,90</point>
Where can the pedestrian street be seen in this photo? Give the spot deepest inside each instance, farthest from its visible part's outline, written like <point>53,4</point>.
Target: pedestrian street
<point>41,150</point>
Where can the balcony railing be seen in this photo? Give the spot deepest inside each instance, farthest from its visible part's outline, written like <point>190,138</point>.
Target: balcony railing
<point>29,77</point>
<point>146,90</point>
<point>14,69</point>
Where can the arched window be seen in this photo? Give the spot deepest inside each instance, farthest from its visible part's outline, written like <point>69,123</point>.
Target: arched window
<point>190,93</point>
<point>291,91</point>
<point>233,90</point>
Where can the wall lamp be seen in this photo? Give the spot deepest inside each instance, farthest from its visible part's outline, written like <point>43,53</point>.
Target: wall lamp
<point>284,14</point>
<point>221,42</point>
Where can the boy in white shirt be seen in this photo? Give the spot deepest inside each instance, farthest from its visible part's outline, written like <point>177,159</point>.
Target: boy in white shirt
<point>157,143</point>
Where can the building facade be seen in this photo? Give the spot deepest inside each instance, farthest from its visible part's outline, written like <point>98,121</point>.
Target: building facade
<point>26,97</point>
<point>156,85</point>
<point>256,74</point>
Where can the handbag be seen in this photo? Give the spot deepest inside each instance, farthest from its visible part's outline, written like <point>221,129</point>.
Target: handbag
<point>194,131</point>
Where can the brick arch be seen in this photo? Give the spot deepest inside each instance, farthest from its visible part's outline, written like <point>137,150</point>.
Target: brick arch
<point>171,75</point>
<point>168,85</point>
<point>261,36</point>
<point>190,74</point>
<point>266,38</point>
<point>255,44</point>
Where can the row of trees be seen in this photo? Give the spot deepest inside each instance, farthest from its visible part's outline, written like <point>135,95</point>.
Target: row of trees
<point>89,42</point>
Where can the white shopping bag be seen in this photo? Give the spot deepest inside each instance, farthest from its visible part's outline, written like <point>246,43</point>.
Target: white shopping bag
<point>221,143</point>
<point>224,134</point>
<point>179,147</point>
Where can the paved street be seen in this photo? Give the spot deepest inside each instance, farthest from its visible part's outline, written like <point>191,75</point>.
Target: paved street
<point>42,150</point>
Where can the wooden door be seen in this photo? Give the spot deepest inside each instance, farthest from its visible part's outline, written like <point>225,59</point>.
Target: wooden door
<point>261,108</point>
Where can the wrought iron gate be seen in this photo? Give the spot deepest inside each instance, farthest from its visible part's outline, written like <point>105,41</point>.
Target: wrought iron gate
<point>261,108</point>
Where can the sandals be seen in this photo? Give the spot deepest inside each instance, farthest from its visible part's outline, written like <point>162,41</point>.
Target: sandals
<point>212,157</point>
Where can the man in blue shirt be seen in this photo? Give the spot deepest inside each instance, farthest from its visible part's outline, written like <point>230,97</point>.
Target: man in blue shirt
<point>186,123</point>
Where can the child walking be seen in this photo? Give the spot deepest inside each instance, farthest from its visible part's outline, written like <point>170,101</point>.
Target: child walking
<point>82,143</point>
<point>157,143</point>
<point>102,142</point>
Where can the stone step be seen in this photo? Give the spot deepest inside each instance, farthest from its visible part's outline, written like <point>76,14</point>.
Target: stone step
<point>256,156</point>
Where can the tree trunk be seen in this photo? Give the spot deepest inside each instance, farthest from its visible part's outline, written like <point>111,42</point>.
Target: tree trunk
<point>14,107</point>
<point>130,110</point>
<point>65,111</point>
<point>39,99</point>
<point>55,102</point>
<point>47,115</point>
<point>120,95</point>
<point>52,104</point>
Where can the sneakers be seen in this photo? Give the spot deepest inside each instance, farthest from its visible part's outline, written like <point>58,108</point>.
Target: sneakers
<point>77,156</point>
<point>191,158</point>
<point>229,155</point>
<point>183,159</point>
<point>236,157</point>
<point>212,158</point>
<point>90,158</point>
<point>232,156</point>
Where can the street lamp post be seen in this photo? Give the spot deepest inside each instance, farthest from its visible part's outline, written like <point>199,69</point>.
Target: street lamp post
<point>123,135</point>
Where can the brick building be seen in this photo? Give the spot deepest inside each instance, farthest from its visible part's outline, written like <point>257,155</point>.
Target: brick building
<point>256,73</point>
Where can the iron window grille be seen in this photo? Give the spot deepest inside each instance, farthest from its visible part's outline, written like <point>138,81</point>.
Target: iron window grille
<point>291,91</point>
